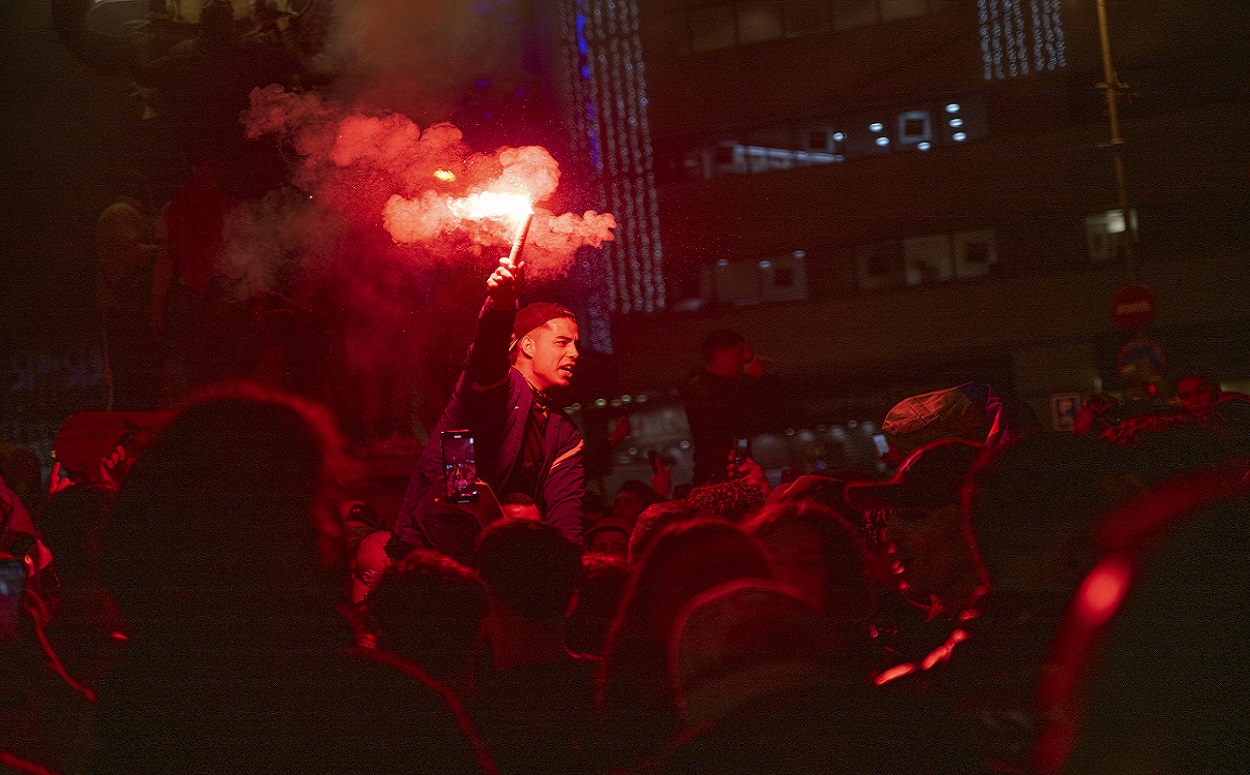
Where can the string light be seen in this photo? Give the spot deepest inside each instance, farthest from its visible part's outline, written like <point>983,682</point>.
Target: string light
<point>1014,43</point>
<point>607,89</point>
<point>983,11</point>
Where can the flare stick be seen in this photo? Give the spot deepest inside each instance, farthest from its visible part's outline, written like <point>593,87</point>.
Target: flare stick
<point>519,242</point>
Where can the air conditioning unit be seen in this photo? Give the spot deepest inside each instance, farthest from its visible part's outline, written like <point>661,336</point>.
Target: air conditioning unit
<point>915,127</point>
<point>726,158</point>
<point>975,253</point>
<point>784,278</point>
<point>879,265</point>
<point>928,259</point>
<point>735,282</point>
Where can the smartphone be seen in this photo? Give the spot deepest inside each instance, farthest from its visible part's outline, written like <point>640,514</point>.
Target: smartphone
<point>12,584</point>
<point>459,466</point>
<point>742,450</point>
<point>881,443</point>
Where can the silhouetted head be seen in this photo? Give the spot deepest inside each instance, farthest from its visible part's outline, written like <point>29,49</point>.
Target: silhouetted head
<point>427,609</point>
<point>816,551</point>
<point>530,568</point>
<point>231,508</point>
<point>1029,508</point>
<point>654,519</point>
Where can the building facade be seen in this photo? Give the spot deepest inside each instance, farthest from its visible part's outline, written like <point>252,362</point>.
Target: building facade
<point>887,196</point>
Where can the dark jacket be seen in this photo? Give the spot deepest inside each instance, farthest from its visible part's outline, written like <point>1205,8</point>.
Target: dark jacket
<point>720,408</point>
<point>492,400</point>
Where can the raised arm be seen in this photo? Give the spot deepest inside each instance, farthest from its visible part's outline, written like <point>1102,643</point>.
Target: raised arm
<point>488,358</point>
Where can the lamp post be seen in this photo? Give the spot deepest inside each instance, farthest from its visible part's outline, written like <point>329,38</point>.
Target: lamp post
<point>1111,86</point>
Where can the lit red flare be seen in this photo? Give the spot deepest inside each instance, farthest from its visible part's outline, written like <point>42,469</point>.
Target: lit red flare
<point>489,204</point>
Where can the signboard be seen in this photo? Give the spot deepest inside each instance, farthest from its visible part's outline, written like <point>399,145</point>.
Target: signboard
<point>1141,360</point>
<point>1133,307</point>
<point>1063,409</point>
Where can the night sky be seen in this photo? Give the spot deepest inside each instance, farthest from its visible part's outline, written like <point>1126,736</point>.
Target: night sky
<point>64,141</point>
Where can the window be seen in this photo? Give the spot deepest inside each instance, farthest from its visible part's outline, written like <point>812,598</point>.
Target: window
<point>927,259</point>
<point>914,128</point>
<point>746,22</point>
<point>782,278</point>
<point>1104,232</point>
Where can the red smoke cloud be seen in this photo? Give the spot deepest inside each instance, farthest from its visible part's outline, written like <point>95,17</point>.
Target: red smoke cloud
<point>383,168</point>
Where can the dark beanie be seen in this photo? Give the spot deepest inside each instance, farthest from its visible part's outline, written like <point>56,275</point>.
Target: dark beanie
<point>532,316</point>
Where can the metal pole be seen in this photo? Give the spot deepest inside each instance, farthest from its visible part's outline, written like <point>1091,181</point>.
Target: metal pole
<point>1111,87</point>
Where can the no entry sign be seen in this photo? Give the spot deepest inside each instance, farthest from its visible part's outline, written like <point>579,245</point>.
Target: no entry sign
<point>1133,307</point>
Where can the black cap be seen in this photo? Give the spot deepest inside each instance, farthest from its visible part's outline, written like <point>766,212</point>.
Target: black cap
<point>930,477</point>
<point>532,316</point>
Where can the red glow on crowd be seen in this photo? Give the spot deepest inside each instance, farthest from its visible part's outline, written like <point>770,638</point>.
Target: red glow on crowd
<point>943,653</point>
<point>1103,589</point>
<point>932,659</point>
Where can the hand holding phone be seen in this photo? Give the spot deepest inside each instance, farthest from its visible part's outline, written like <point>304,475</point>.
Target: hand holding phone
<point>459,467</point>
<point>12,586</point>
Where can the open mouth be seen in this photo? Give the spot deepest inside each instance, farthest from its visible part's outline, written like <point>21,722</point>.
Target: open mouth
<point>566,370</point>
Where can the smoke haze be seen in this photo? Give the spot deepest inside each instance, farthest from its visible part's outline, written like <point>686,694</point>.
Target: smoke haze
<point>371,167</point>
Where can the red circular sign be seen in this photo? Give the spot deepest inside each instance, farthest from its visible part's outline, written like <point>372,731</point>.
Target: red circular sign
<point>1133,307</point>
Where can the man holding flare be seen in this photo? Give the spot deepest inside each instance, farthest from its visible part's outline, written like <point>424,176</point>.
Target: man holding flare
<point>523,443</point>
